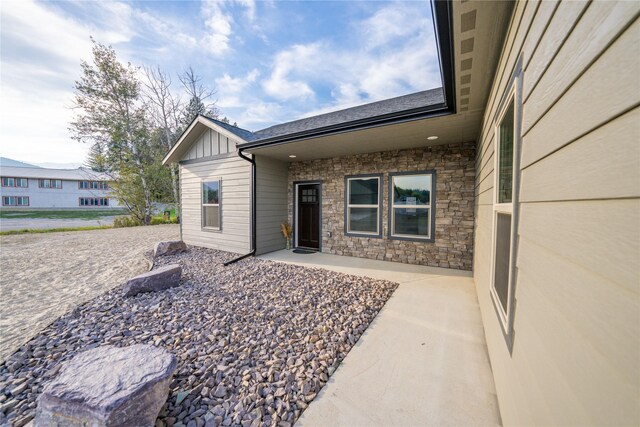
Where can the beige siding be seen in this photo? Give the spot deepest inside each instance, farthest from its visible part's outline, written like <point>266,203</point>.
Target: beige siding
<point>271,204</point>
<point>576,352</point>
<point>235,176</point>
<point>210,143</point>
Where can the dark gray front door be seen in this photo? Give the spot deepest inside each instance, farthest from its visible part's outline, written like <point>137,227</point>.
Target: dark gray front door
<point>309,216</point>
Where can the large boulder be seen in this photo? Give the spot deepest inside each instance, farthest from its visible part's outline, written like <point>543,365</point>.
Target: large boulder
<point>155,280</point>
<point>108,386</point>
<point>169,248</point>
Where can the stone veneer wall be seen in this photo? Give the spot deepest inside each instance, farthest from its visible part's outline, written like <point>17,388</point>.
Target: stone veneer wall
<point>455,179</point>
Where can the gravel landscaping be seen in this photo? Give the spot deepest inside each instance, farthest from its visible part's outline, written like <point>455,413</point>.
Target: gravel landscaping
<point>255,341</point>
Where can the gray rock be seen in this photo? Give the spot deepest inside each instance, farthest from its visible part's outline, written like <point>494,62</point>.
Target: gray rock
<point>169,248</point>
<point>155,280</point>
<point>108,386</point>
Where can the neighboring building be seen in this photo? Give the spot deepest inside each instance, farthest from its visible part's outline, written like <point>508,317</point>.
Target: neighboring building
<point>42,188</point>
<point>524,167</point>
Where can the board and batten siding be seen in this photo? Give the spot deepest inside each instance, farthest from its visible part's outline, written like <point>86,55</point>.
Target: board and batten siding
<point>576,349</point>
<point>271,204</point>
<point>205,162</point>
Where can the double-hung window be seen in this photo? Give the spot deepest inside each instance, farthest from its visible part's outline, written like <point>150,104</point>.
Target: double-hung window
<point>505,206</point>
<point>363,210</point>
<point>211,205</point>
<point>15,201</point>
<point>412,205</point>
<point>15,182</point>
<point>50,183</point>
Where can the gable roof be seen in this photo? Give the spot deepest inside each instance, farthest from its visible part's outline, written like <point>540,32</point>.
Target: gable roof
<point>80,174</point>
<point>6,162</point>
<point>239,132</point>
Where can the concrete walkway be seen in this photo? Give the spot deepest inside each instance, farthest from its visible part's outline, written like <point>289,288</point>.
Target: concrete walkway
<point>422,362</point>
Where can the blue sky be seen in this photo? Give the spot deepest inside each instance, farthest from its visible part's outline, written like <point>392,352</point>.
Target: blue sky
<point>269,61</point>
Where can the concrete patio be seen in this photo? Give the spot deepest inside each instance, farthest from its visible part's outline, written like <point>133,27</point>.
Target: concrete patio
<point>422,361</point>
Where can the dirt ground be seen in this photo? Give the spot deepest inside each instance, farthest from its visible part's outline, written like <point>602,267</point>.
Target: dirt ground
<point>43,276</point>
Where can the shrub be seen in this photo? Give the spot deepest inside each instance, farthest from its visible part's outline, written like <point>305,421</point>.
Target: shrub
<point>125,221</point>
<point>160,220</point>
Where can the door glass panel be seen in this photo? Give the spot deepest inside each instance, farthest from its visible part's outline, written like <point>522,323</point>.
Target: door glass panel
<point>505,158</point>
<point>503,254</point>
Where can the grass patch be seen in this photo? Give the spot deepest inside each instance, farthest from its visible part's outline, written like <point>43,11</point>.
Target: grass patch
<point>52,230</point>
<point>70,214</point>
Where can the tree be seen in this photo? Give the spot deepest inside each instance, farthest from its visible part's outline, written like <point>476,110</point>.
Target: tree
<point>165,110</point>
<point>97,159</point>
<point>110,114</point>
<point>200,98</point>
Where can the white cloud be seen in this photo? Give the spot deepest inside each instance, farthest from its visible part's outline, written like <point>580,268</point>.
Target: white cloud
<point>398,56</point>
<point>297,60</point>
<point>218,25</point>
<point>391,23</point>
<point>42,46</point>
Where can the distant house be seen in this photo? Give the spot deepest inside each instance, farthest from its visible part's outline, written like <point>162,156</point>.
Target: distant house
<point>524,168</point>
<point>42,188</point>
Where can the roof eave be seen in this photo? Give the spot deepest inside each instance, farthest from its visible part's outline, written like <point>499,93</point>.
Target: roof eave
<point>435,110</point>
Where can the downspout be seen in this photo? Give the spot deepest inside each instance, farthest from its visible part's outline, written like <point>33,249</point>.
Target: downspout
<point>251,160</point>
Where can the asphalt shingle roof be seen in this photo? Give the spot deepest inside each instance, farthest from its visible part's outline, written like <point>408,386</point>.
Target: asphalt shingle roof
<point>393,105</point>
<point>374,109</point>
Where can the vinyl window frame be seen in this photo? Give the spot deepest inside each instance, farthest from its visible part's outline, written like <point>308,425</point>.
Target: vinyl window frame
<point>15,198</point>
<point>512,96</point>
<point>203,205</point>
<point>51,181</point>
<point>99,201</point>
<point>431,207</point>
<point>347,205</point>
<point>15,182</point>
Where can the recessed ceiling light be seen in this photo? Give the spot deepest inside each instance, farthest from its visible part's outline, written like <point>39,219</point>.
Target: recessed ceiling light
<point>431,138</point>
<point>293,156</point>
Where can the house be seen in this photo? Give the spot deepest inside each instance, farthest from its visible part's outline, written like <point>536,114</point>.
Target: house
<point>43,188</point>
<point>524,168</point>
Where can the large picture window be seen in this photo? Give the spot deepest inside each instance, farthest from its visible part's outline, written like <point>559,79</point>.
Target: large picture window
<point>362,205</point>
<point>411,205</point>
<point>211,205</point>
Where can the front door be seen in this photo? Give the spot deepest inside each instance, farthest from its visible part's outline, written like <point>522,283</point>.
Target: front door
<point>308,224</point>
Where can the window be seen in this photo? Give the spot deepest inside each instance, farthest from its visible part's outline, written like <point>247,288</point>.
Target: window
<point>412,204</point>
<point>211,208</point>
<point>506,166</point>
<point>93,185</point>
<point>50,183</point>
<point>15,182</point>
<point>362,205</point>
<point>93,201</point>
<point>15,201</point>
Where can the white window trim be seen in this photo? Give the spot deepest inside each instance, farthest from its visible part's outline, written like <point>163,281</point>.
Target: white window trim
<point>377,207</point>
<point>219,204</point>
<point>506,317</point>
<point>393,207</point>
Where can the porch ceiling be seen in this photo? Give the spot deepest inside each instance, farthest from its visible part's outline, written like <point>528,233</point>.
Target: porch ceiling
<point>478,31</point>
